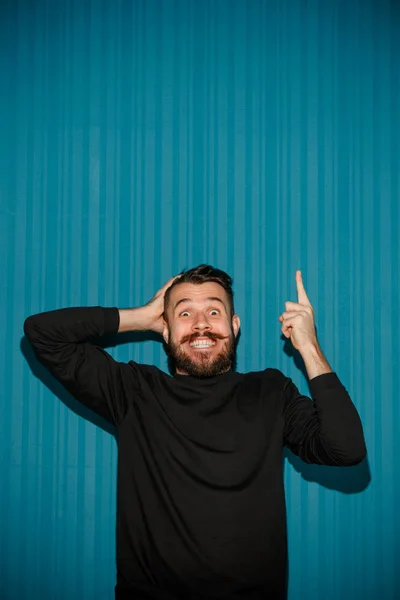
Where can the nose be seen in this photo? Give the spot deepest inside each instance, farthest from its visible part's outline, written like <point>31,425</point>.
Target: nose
<point>201,324</point>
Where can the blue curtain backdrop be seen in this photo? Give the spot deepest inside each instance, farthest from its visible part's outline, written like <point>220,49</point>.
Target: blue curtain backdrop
<point>138,138</point>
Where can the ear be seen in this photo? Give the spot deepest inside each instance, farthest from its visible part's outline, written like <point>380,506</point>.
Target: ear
<point>165,332</point>
<point>235,324</point>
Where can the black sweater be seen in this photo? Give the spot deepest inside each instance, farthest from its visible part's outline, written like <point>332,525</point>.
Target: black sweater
<point>200,501</point>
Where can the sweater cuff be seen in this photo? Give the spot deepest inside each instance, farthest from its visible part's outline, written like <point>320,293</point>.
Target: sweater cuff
<point>324,382</point>
<point>111,320</point>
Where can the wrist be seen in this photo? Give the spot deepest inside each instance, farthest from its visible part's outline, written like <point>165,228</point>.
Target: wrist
<point>133,319</point>
<point>314,360</point>
<point>311,349</point>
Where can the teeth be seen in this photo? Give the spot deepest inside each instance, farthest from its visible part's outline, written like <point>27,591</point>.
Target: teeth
<point>202,344</point>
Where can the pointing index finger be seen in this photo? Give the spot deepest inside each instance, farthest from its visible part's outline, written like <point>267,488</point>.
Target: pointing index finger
<point>301,292</point>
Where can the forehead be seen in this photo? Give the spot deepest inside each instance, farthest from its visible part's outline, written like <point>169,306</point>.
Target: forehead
<point>198,292</point>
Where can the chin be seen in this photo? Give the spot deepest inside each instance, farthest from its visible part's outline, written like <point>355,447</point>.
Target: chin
<point>202,364</point>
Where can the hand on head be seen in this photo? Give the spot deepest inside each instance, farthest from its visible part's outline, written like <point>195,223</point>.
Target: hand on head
<point>155,308</point>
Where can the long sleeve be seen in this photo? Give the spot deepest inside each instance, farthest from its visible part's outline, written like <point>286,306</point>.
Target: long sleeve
<point>63,341</point>
<point>327,431</point>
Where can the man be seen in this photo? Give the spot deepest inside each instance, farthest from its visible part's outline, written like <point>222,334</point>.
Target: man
<point>201,508</point>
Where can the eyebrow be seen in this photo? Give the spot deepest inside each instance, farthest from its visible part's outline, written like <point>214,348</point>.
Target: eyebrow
<point>190,301</point>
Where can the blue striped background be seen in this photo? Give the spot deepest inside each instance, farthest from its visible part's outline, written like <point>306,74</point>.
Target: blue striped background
<point>138,138</point>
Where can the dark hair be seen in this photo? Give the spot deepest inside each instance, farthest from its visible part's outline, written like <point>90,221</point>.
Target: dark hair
<point>203,274</point>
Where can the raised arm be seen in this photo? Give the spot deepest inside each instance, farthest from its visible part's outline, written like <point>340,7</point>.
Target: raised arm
<point>64,341</point>
<point>328,430</point>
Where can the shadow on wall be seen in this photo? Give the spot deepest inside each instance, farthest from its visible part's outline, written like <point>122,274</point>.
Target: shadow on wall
<point>348,480</point>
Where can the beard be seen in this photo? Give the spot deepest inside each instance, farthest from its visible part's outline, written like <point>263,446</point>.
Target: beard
<point>204,366</point>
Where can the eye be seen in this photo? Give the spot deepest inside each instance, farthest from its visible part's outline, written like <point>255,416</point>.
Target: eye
<point>214,312</point>
<point>184,313</point>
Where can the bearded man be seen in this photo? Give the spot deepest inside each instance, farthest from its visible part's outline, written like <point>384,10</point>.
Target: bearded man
<point>201,508</point>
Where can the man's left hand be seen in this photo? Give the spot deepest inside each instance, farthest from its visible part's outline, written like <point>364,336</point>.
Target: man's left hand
<point>298,319</point>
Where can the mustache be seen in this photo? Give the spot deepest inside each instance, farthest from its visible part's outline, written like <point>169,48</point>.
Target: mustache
<point>190,337</point>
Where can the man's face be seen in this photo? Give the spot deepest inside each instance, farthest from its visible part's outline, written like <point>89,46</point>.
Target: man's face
<point>200,331</point>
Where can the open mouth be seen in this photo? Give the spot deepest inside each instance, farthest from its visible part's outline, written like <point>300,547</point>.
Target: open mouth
<point>202,344</point>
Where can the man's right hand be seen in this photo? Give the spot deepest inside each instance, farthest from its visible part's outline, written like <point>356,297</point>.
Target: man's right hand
<point>155,307</point>
<point>148,317</point>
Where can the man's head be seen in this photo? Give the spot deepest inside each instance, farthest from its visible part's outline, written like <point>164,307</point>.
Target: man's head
<point>200,326</point>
